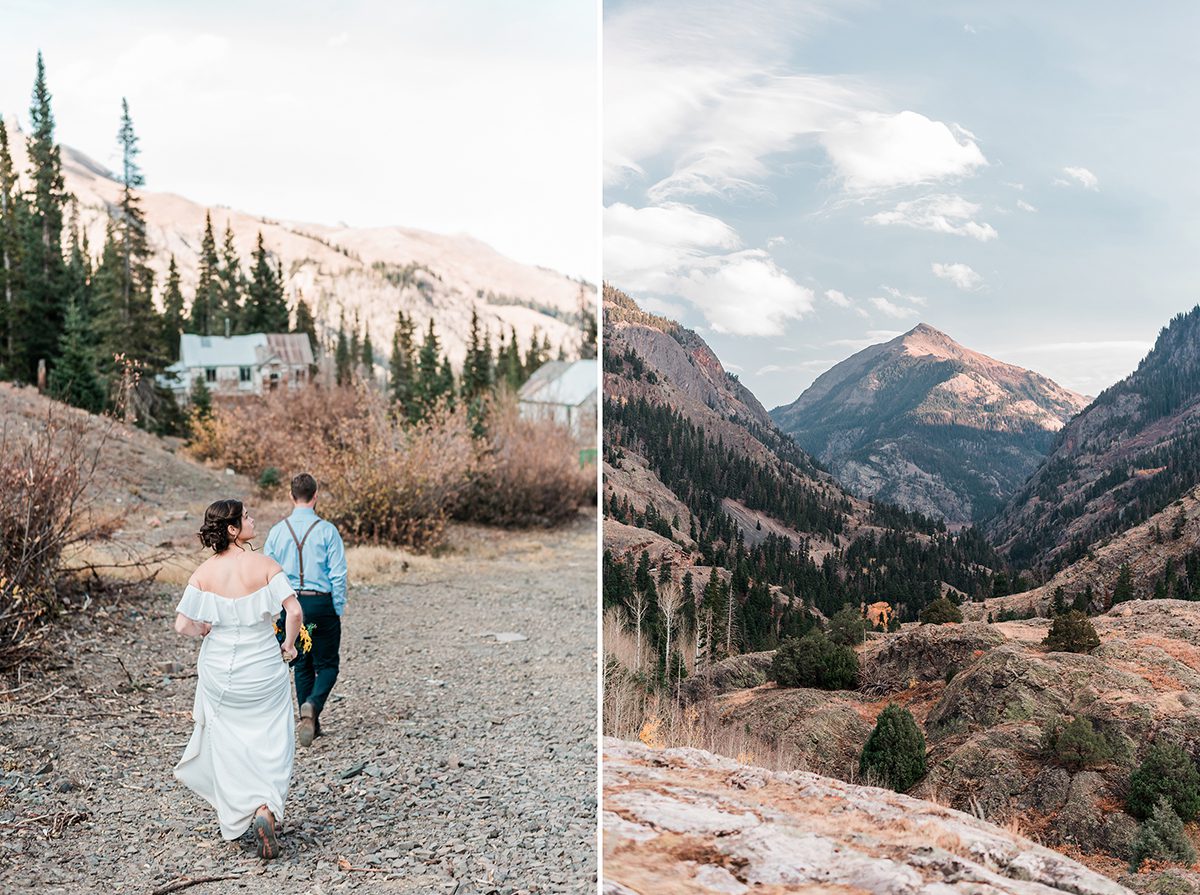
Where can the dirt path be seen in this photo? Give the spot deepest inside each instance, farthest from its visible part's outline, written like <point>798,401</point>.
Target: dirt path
<point>452,763</point>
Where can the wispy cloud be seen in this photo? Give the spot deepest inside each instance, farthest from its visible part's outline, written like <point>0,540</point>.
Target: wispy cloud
<point>838,298</point>
<point>895,293</point>
<point>802,367</point>
<point>1079,176</point>
<point>939,213</point>
<point>891,309</point>
<point>873,337</point>
<point>774,241</point>
<point>1025,206</point>
<point>961,275</point>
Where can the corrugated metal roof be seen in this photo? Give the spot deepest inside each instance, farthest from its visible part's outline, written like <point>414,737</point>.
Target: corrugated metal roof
<point>559,382</point>
<point>219,351</point>
<point>252,349</point>
<point>293,349</point>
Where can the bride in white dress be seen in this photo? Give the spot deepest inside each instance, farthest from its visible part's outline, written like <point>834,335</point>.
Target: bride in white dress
<point>240,755</point>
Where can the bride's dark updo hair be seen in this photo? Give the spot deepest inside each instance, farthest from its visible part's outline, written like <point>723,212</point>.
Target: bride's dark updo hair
<point>218,517</point>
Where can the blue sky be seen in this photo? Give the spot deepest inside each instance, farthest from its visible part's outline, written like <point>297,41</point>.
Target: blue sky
<point>462,116</point>
<point>800,179</point>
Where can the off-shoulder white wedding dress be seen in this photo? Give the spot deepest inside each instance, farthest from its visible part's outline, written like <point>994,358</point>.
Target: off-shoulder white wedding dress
<point>241,751</point>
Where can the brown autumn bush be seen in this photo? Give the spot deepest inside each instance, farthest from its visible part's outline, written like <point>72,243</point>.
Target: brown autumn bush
<point>382,481</point>
<point>44,472</point>
<point>532,474</point>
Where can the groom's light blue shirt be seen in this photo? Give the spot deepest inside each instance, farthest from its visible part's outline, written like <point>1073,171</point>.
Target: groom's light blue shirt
<point>324,554</point>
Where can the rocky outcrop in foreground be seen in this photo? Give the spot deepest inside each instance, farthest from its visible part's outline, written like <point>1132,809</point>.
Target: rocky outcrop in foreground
<point>682,820</point>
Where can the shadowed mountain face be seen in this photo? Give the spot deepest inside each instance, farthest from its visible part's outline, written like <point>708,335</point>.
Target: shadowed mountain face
<point>1132,454</point>
<point>925,423</point>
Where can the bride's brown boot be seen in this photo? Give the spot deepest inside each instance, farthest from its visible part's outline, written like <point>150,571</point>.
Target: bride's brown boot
<point>264,833</point>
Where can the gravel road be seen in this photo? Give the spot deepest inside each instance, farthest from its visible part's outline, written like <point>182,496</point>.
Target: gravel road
<point>453,762</point>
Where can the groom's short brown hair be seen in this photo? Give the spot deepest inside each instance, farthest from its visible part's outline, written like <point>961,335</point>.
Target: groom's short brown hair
<point>304,487</point>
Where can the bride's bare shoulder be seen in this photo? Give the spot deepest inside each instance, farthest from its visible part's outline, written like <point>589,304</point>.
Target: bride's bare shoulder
<point>264,564</point>
<point>199,576</point>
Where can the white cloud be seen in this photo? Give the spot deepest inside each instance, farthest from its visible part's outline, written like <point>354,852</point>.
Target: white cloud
<point>676,251</point>
<point>338,40</point>
<point>803,367</point>
<point>873,337</point>
<point>961,275</point>
<point>970,29</point>
<point>905,296</point>
<point>1025,206</point>
<point>938,213</point>
<point>892,309</point>
<point>774,241</point>
<point>744,294</point>
<point>1081,176</point>
<point>877,151</point>
<point>838,298</point>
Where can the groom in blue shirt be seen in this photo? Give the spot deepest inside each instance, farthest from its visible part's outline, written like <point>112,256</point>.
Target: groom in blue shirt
<point>312,554</point>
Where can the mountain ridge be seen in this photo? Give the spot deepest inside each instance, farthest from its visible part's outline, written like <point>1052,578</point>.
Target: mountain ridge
<point>369,271</point>
<point>929,424</point>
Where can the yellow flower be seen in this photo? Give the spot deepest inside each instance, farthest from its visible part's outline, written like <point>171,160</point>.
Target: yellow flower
<point>306,638</point>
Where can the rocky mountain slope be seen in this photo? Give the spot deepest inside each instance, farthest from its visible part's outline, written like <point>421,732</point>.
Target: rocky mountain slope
<point>925,423</point>
<point>1128,456</point>
<point>682,820</point>
<point>369,271</point>
<point>984,695</point>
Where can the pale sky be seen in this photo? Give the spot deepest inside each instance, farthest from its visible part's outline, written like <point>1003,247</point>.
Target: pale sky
<point>798,179</point>
<point>458,116</point>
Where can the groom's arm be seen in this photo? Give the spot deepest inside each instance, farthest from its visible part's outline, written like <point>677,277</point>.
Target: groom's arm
<point>337,571</point>
<point>271,546</point>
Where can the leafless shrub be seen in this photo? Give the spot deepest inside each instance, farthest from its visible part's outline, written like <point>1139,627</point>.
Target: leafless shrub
<point>44,474</point>
<point>531,474</point>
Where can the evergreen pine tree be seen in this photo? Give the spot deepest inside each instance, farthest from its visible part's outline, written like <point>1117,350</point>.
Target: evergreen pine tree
<point>341,357</point>
<point>173,318</point>
<point>368,357</point>
<point>446,386</point>
<point>514,372</point>
<point>74,378</point>
<point>201,398</point>
<point>1161,837</point>
<point>402,370</point>
<point>126,322</point>
<point>40,317</point>
<point>895,751</point>
<point>429,373</point>
<point>305,323</point>
<point>228,290</point>
<point>206,301</point>
<point>1124,587</point>
<point>266,308</point>
<point>12,210</point>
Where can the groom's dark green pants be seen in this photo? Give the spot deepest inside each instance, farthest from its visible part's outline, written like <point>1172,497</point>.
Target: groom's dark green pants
<point>317,671</point>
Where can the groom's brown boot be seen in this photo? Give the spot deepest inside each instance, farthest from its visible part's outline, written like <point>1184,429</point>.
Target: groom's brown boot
<point>308,724</point>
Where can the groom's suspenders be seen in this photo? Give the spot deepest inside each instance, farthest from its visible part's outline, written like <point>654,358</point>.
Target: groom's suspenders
<point>300,545</point>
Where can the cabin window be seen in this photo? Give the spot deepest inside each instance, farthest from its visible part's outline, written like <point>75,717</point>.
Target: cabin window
<point>210,374</point>
<point>243,374</point>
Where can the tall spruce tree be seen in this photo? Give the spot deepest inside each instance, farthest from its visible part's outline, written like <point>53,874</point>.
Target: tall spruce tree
<point>173,319</point>
<point>12,209</point>
<point>429,372</point>
<point>266,308</point>
<point>343,362</point>
<point>207,298</point>
<point>307,325</point>
<point>127,324</point>
<point>477,367</point>
<point>402,368</point>
<point>229,288</point>
<point>74,378</point>
<point>368,357</point>
<point>41,315</point>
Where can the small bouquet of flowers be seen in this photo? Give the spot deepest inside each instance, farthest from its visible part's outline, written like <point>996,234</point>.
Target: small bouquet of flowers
<point>305,637</point>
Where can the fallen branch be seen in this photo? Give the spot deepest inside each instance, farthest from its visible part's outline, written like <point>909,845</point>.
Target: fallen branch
<point>49,695</point>
<point>187,882</point>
